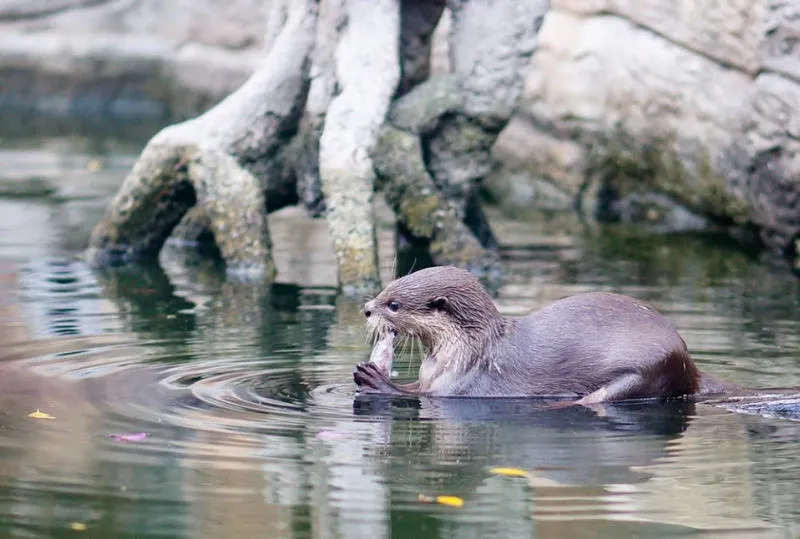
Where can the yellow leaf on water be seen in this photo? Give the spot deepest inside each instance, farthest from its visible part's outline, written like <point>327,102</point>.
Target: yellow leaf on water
<point>40,415</point>
<point>509,472</point>
<point>93,165</point>
<point>452,501</point>
<point>77,526</point>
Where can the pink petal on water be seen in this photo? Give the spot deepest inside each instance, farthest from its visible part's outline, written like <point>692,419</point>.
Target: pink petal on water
<point>131,437</point>
<point>331,435</point>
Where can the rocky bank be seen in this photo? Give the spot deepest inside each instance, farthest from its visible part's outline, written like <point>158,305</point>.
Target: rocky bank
<point>694,103</point>
<point>681,113</point>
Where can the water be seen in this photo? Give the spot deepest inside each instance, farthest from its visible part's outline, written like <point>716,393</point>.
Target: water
<point>239,409</point>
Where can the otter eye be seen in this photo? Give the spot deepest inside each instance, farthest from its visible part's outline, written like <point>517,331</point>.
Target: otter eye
<point>393,306</point>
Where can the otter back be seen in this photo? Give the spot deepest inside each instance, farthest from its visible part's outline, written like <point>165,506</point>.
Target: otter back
<point>595,347</point>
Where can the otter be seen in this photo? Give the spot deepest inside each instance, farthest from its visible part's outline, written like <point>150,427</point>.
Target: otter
<point>593,347</point>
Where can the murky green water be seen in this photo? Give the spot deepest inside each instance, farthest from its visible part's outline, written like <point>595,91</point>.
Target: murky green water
<point>245,399</point>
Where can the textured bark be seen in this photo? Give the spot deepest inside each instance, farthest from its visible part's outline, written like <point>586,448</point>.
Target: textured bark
<point>320,94</point>
<point>222,161</point>
<point>421,208</point>
<point>367,73</point>
<point>437,148</point>
<point>489,59</point>
<point>311,126</point>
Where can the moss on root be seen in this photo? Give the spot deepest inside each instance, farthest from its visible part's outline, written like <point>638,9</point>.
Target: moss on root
<point>630,163</point>
<point>422,210</point>
<point>356,270</point>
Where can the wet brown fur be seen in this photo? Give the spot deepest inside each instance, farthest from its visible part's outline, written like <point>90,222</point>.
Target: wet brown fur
<point>597,347</point>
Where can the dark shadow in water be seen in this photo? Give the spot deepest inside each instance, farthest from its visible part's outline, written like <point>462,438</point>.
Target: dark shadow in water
<point>665,418</point>
<point>781,402</point>
<point>21,126</point>
<point>176,303</point>
<point>570,448</point>
<point>146,294</point>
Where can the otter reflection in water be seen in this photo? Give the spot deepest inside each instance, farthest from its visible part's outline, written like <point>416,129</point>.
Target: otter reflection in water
<point>594,347</point>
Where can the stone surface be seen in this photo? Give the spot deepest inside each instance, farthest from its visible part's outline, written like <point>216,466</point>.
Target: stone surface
<point>694,99</point>
<point>728,32</point>
<point>126,57</point>
<point>780,47</point>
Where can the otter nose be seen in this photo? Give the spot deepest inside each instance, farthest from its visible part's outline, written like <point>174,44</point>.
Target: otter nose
<point>367,312</point>
<point>368,307</point>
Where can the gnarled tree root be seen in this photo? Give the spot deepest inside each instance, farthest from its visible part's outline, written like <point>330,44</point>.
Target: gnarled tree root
<point>222,163</point>
<point>338,99</point>
<point>168,180</point>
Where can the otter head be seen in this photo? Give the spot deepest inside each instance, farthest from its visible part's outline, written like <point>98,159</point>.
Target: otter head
<point>434,304</point>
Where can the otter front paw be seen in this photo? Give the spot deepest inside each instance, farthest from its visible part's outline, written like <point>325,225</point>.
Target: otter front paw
<point>371,379</point>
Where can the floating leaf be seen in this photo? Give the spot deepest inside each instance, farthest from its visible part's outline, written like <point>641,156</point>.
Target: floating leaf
<point>331,435</point>
<point>94,165</point>
<point>132,437</point>
<point>509,472</point>
<point>38,414</point>
<point>144,291</point>
<point>452,501</point>
<point>77,526</point>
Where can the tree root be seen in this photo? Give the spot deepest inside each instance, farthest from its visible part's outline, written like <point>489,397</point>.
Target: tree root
<point>411,193</point>
<point>367,72</point>
<point>342,101</point>
<point>223,162</point>
<point>168,180</point>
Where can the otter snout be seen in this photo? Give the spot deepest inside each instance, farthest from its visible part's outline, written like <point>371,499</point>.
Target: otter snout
<point>368,308</point>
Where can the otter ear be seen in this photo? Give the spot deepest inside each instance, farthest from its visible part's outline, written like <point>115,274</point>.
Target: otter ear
<point>439,303</point>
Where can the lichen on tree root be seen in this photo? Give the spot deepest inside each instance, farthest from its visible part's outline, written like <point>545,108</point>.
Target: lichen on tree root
<point>311,126</point>
<point>419,206</point>
<point>221,161</point>
<point>165,183</point>
<point>367,70</point>
<point>151,201</point>
<point>436,147</point>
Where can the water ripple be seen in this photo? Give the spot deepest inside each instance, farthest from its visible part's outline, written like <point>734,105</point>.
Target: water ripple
<point>239,408</point>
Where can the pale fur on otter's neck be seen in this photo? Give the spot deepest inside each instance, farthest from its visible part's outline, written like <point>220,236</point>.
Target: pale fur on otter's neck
<point>459,332</point>
<point>458,351</point>
<point>454,317</point>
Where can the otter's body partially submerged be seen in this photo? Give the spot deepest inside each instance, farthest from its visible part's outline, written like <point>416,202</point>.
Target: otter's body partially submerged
<point>597,346</point>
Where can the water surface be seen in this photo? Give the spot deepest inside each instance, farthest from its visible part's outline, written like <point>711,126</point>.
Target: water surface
<point>241,413</point>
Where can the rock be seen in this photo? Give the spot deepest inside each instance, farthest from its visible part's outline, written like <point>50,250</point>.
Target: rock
<point>126,59</point>
<point>559,161</point>
<point>658,213</point>
<point>695,100</point>
<point>772,147</point>
<point>727,32</point>
<point>518,189</point>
